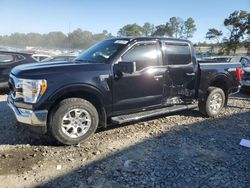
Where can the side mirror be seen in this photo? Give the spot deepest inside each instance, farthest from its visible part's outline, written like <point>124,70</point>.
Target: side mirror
<point>125,67</point>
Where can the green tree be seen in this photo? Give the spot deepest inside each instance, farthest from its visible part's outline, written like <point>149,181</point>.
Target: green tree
<point>214,34</point>
<point>101,36</point>
<point>77,39</point>
<point>34,39</point>
<point>147,29</point>
<point>54,39</point>
<point>16,39</point>
<point>189,28</point>
<point>80,39</point>
<point>130,30</point>
<point>177,26</point>
<point>163,30</point>
<point>238,25</point>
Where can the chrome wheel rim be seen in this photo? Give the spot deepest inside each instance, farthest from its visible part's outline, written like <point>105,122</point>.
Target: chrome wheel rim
<point>215,103</point>
<point>76,123</point>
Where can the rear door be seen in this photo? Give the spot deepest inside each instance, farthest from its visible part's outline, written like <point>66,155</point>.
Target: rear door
<point>144,87</point>
<point>181,75</point>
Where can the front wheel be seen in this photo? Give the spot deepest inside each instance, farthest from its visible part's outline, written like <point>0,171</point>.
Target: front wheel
<point>73,121</point>
<point>213,103</point>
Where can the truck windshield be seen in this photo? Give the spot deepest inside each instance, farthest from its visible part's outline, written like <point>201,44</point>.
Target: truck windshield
<point>102,52</point>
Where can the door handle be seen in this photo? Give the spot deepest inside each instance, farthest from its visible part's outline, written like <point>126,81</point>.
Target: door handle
<point>190,74</point>
<point>157,77</point>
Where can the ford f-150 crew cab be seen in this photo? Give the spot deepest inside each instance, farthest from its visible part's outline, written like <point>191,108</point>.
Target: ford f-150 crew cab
<point>116,81</point>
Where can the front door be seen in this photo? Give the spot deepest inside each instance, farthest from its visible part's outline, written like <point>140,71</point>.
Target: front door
<point>144,87</point>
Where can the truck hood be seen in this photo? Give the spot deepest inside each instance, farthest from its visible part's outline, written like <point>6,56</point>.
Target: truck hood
<point>40,69</point>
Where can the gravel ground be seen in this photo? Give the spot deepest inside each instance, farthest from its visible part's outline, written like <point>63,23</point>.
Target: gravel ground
<point>183,149</point>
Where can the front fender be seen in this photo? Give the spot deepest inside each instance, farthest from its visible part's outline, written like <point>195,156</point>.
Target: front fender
<point>77,88</point>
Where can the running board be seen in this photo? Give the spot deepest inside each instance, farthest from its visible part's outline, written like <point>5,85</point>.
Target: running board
<point>151,113</point>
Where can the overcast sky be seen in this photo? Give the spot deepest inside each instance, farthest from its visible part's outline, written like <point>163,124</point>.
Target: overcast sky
<point>44,16</point>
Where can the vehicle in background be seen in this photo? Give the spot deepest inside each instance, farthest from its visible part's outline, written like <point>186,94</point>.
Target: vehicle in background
<point>119,80</point>
<point>60,58</point>
<point>9,60</point>
<point>40,57</point>
<point>245,62</point>
<point>218,59</point>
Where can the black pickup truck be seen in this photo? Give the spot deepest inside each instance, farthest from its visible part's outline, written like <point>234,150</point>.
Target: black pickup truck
<point>116,81</point>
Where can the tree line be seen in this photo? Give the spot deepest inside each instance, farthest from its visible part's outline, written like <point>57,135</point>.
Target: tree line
<point>82,39</point>
<point>175,27</point>
<point>78,39</point>
<point>237,24</point>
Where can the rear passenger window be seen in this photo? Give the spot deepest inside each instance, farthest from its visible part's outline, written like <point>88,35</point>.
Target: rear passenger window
<point>178,54</point>
<point>6,58</point>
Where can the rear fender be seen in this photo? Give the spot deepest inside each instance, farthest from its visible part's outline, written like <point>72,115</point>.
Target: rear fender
<point>221,81</point>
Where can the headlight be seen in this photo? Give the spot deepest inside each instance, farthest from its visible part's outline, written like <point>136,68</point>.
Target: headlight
<point>32,90</point>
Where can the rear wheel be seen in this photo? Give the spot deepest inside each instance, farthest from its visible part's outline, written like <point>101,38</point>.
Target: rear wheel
<point>213,103</point>
<point>73,121</point>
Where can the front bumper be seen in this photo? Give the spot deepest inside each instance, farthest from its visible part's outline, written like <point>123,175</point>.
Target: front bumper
<point>36,119</point>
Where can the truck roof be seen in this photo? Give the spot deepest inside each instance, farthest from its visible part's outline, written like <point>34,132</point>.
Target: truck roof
<point>150,38</point>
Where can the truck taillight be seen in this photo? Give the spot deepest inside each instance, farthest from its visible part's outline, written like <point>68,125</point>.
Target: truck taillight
<point>239,73</point>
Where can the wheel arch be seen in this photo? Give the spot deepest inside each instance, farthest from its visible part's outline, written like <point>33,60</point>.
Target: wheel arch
<point>86,92</point>
<point>221,82</point>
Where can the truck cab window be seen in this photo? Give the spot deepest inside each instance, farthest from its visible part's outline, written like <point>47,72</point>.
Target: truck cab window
<point>144,55</point>
<point>178,54</point>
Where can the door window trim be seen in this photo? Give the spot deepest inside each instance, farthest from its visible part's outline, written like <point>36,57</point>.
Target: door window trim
<point>159,53</point>
<point>164,49</point>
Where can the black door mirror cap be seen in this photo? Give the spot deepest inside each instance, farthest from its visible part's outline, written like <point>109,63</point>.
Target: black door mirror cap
<point>125,67</point>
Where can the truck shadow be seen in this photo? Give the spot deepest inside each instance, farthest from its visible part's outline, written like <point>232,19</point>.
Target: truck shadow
<point>192,155</point>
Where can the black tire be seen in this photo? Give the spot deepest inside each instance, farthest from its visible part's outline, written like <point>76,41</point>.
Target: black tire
<point>63,108</point>
<point>204,106</point>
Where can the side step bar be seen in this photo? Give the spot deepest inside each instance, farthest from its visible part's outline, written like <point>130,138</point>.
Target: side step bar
<point>151,113</point>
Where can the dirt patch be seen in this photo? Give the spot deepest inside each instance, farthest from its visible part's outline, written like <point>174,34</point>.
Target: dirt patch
<point>19,160</point>
<point>183,149</point>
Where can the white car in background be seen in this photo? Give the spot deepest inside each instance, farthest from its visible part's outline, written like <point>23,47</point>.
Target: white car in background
<point>40,57</point>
